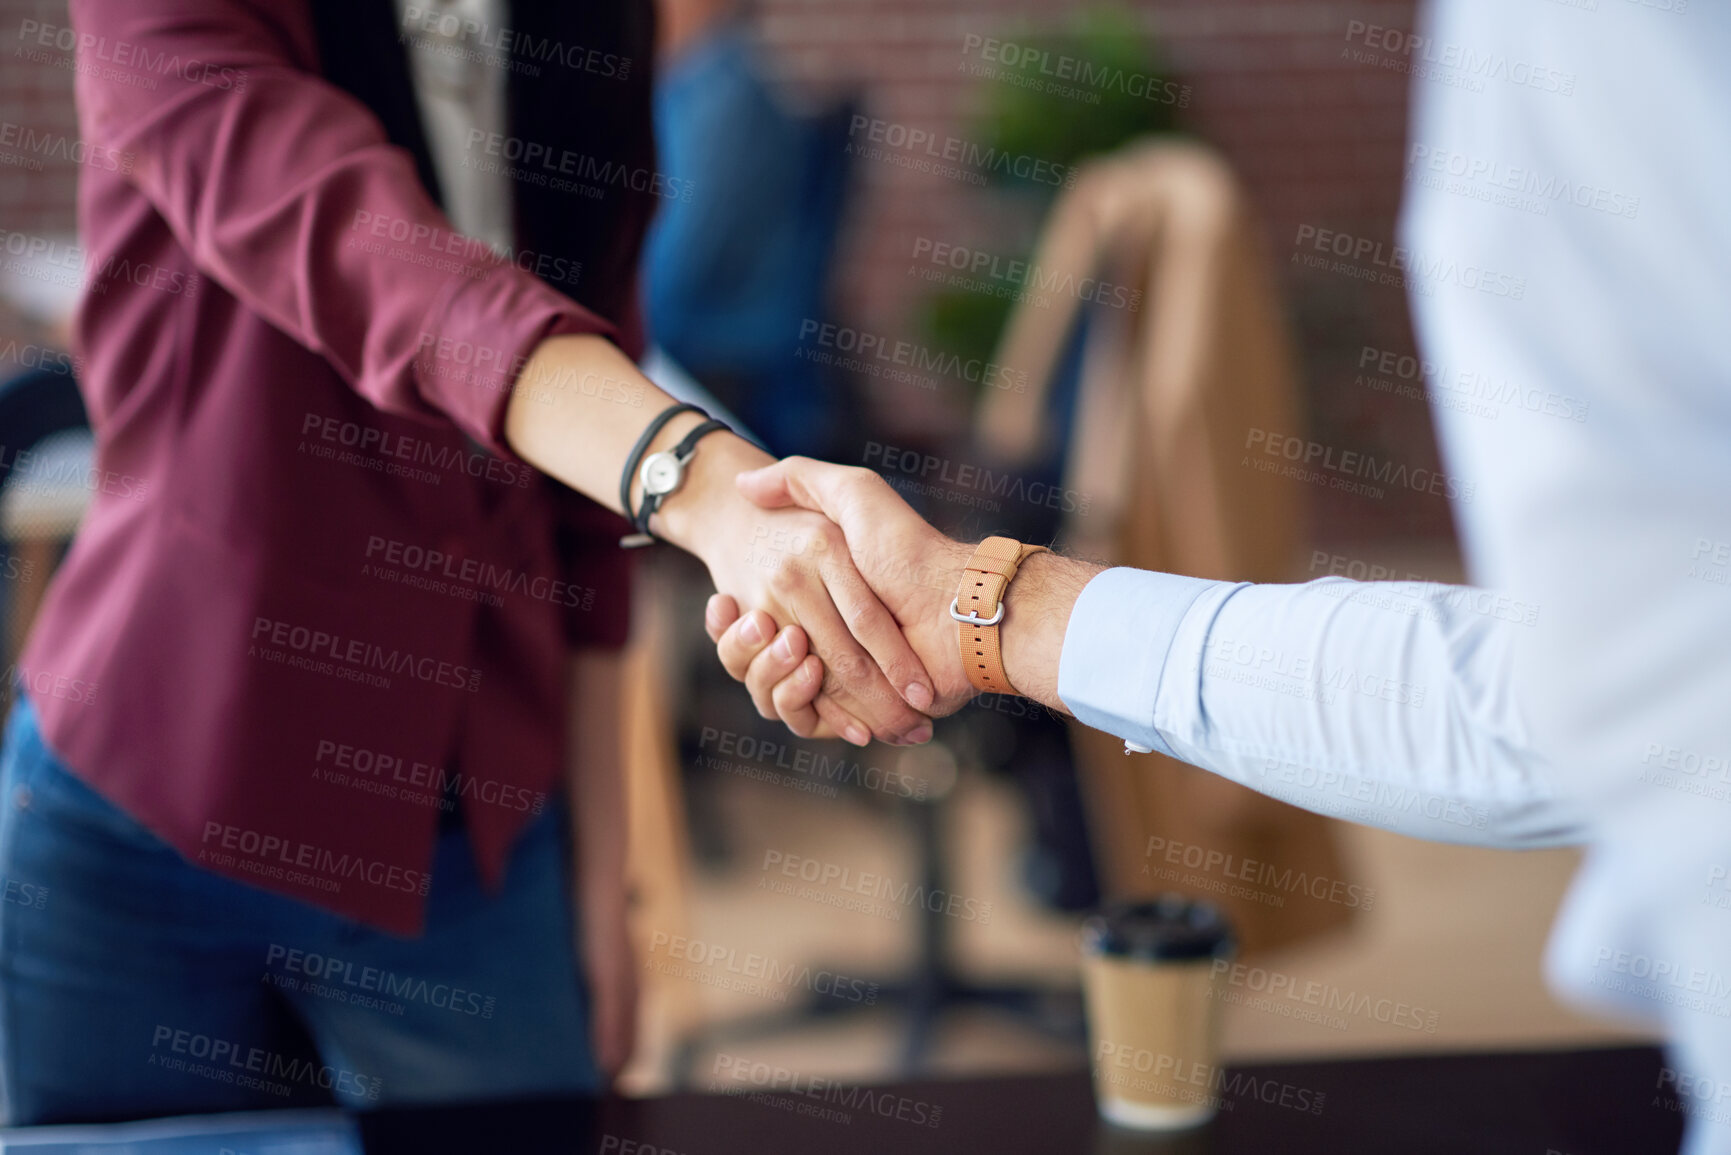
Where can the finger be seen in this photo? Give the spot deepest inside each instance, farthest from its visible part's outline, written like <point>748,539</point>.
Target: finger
<point>875,628</point>
<point>721,612</point>
<point>780,660</point>
<point>743,641</point>
<point>837,719</point>
<point>854,677</point>
<point>792,698</point>
<point>830,489</point>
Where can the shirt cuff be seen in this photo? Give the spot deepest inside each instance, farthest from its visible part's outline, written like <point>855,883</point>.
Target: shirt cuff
<point>1115,648</point>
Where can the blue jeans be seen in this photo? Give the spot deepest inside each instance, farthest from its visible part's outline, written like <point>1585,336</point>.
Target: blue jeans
<point>134,983</point>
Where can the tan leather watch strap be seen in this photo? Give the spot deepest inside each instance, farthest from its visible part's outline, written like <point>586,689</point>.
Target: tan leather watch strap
<point>979,607</point>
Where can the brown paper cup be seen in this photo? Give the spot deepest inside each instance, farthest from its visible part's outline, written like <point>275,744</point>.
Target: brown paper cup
<point>1147,970</point>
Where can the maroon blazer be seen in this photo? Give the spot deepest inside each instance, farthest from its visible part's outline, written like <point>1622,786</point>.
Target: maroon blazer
<point>316,591</point>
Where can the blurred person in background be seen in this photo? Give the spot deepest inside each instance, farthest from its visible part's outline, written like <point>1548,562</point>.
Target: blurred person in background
<point>328,683</point>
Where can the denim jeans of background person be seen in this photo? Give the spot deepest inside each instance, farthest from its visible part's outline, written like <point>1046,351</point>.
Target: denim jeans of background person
<point>145,985</point>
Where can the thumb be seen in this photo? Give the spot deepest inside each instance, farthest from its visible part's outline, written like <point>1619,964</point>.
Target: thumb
<point>797,481</point>
<point>767,486</point>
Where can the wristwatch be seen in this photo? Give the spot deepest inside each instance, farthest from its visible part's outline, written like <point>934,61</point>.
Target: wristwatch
<point>663,473</point>
<point>979,607</point>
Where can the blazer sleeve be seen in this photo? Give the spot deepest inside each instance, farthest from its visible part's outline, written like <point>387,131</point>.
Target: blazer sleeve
<point>285,190</point>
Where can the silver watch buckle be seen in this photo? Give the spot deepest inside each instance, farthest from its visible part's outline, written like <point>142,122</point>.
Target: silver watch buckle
<point>973,619</point>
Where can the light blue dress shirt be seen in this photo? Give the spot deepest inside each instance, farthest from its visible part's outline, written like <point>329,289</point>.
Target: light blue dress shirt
<point>1566,246</point>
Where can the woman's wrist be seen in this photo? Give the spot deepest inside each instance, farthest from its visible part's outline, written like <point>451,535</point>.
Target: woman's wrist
<point>696,517</point>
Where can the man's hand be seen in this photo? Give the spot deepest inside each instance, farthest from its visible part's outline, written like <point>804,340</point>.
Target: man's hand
<point>911,567</point>
<point>915,571</point>
<point>794,567</point>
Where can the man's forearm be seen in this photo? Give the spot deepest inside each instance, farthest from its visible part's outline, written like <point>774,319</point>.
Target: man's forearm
<point>1036,615</point>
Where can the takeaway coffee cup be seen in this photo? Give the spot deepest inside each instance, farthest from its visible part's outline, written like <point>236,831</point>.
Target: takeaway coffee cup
<point>1147,970</point>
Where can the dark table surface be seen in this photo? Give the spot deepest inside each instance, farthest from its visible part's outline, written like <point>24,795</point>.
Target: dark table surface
<point>1595,1102</point>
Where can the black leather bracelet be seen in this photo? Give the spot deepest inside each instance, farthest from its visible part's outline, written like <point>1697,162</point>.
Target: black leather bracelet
<point>637,451</point>
<point>683,451</point>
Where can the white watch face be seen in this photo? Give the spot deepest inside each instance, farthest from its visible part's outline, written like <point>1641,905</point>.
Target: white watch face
<point>661,474</point>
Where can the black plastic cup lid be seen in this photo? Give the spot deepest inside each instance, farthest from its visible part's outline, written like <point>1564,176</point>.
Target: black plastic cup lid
<point>1166,928</point>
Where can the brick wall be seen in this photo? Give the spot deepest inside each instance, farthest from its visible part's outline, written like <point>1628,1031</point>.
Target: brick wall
<point>37,191</point>
<point>1316,135</point>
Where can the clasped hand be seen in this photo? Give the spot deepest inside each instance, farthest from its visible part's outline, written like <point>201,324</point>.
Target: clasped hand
<point>834,532</point>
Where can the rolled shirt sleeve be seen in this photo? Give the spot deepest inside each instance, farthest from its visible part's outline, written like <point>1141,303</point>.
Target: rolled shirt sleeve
<point>1385,703</point>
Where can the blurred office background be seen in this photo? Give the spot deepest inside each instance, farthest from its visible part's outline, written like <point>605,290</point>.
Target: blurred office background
<point>760,104</point>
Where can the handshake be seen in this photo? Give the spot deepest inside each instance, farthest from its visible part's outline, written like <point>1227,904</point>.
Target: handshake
<point>851,635</point>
